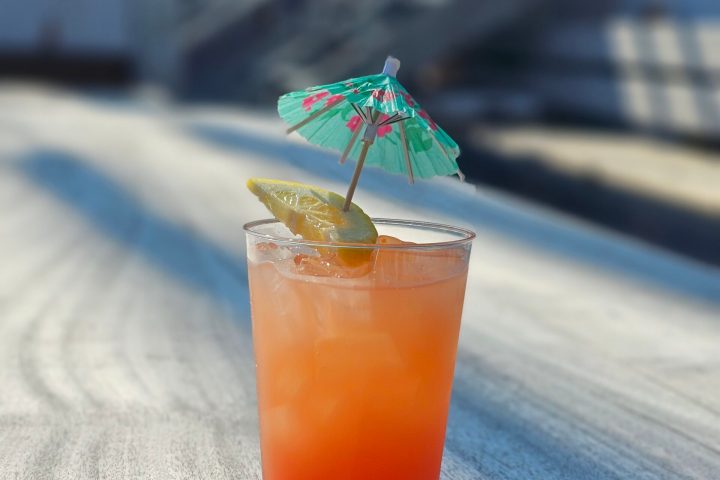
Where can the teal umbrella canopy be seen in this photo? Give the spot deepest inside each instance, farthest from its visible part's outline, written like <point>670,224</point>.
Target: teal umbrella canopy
<point>352,115</point>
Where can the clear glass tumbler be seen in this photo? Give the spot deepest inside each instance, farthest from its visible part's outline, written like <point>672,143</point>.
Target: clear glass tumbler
<point>355,349</point>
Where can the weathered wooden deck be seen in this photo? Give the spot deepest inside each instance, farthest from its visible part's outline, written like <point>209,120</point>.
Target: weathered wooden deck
<point>124,335</point>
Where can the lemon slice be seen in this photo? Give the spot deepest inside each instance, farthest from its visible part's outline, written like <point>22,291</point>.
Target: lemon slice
<point>317,214</point>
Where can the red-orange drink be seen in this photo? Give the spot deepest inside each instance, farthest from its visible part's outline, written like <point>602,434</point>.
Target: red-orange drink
<point>355,364</point>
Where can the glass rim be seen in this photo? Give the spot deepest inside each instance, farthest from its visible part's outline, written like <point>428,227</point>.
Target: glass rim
<point>466,236</point>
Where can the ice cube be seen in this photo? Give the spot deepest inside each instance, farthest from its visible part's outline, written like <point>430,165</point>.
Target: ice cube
<point>268,252</point>
<point>328,265</point>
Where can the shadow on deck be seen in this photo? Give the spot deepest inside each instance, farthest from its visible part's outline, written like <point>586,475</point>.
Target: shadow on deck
<point>183,254</point>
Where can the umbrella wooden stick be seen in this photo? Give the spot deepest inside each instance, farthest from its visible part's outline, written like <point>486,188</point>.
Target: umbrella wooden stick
<point>460,174</point>
<point>406,153</point>
<point>359,111</point>
<point>356,175</point>
<point>368,139</point>
<point>315,115</point>
<point>440,145</point>
<point>350,144</point>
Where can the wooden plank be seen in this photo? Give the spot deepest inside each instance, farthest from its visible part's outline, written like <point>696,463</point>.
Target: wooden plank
<point>124,337</point>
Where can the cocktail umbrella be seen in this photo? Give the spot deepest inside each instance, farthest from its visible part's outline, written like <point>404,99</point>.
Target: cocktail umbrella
<point>406,140</point>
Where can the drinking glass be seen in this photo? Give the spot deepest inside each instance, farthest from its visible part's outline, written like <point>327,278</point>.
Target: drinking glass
<point>355,349</point>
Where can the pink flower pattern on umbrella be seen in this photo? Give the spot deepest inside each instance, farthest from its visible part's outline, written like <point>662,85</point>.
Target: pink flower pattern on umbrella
<point>408,99</point>
<point>354,123</point>
<point>308,102</point>
<point>383,95</point>
<point>384,129</point>
<point>334,99</point>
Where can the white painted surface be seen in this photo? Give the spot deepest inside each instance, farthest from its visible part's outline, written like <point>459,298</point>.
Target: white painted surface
<point>124,334</point>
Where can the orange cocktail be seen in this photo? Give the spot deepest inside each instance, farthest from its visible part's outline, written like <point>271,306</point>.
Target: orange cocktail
<point>355,364</point>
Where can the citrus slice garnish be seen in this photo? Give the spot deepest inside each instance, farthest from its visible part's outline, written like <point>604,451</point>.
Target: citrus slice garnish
<point>316,214</point>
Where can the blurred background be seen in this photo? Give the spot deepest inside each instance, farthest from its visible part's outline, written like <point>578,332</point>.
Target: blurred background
<point>609,111</point>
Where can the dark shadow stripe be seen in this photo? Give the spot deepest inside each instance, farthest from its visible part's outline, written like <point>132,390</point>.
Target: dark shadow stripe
<point>106,205</point>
